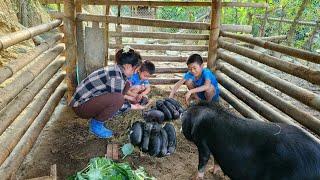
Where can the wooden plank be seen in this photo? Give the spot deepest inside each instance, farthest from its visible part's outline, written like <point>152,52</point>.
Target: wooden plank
<point>163,58</point>
<point>307,23</point>
<point>161,47</point>
<point>81,66</point>
<point>171,70</point>
<point>163,23</point>
<point>160,35</point>
<point>94,48</point>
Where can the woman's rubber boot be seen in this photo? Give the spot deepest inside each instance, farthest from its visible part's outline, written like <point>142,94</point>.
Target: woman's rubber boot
<point>97,128</point>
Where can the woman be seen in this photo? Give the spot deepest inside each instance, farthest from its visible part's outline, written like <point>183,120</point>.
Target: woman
<point>103,93</point>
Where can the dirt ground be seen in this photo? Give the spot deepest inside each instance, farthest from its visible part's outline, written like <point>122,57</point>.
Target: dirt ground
<point>66,141</point>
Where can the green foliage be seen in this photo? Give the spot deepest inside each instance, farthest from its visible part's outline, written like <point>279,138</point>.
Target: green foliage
<point>101,168</point>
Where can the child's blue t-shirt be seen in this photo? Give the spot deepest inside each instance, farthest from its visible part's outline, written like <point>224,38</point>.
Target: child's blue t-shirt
<point>206,74</point>
<point>135,80</point>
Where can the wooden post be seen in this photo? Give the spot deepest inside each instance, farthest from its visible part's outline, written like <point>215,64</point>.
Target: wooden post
<point>71,47</point>
<point>81,70</point>
<point>106,30</point>
<point>59,7</point>
<point>214,32</point>
<point>119,28</point>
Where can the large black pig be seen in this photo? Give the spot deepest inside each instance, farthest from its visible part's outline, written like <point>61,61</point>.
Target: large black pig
<point>248,149</point>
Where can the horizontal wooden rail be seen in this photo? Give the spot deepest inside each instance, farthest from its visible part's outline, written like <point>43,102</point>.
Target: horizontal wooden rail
<point>161,47</point>
<point>14,108</point>
<point>273,38</point>
<point>307,23</point>
<point>302,117</point>
<point>257,105</point>
<point>14,160</point>
<point>299,53</point>
<point>11,136</point>
<point>158,81</point>
<point>171,70</point>
<point>19,36</point>
<point>241,107</point>
<point>13,66</point>
<point>163,58</point>
<point>307,97</point>
<point>288,67</point>
<point>159,35</point>
<point>161,3</point>
<point>162,23</point>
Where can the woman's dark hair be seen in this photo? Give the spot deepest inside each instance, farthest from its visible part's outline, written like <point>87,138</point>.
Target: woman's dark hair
<point>195,58</point>
<point>131,57</point>
<point>148,66</point>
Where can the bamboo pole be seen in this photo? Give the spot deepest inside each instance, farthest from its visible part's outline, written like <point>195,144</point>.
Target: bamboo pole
<point>159,35</point>
<point>214,32</point>
<point>12,163</point>
<point>16,37</point>
<point>257,105</point>
<point>273,38</point>
<point>290,68</point>
<point>14,85</point>
<point>162,47</point>
<point>163,58</point>
<point>162,23</point>
<point>13,66</point>
<point>163,3</point>
<point>241,107</point>
<point>81,69</point>
<point>302,117</point>
<point>13,109</point>
<point>171,70</point>
<point>11,136</point>
<point>71,47</point>
<point>307,23</point>
<point>157,81</point>
<point>106,32</point>
<point>298,53</point>
<point>309,98</point>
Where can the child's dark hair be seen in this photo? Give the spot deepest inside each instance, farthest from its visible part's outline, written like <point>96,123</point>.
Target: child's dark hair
<point>195,58</point>
<point>131,57</point>
<point>148,66</point>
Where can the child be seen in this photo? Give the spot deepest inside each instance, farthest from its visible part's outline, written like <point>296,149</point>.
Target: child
<point>201,82</point>
<point>140,85</point>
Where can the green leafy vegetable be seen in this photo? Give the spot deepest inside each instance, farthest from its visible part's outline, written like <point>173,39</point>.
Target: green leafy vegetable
<point>101,168</point>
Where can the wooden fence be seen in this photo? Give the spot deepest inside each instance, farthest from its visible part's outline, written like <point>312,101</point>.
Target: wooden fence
<point>31,87</point>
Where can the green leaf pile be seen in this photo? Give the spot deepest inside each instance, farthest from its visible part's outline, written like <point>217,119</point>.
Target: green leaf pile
<point>101,168</point>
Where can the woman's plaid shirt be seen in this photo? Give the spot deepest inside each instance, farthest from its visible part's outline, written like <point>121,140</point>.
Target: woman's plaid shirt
<point>105,80</point>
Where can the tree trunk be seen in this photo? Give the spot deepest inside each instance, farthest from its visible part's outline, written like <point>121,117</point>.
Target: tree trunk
<point>292,29</point>
<point>264,21</point>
